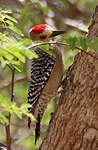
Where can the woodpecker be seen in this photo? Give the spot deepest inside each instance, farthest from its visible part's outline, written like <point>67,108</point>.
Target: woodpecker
<point>46,74</point>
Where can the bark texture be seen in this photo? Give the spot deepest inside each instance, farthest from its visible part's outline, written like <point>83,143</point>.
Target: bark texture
<point>93,28</point>
<point>74,125</point>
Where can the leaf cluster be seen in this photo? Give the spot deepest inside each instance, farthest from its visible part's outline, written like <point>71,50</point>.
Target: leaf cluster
<point>13,52</point>
<point>12,108</point>
<point>82,42</point>
<point>13,46</point>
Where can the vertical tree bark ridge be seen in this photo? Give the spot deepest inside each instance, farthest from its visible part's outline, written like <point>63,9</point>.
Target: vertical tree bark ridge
<point>74,125</point>
<point>93,28</point>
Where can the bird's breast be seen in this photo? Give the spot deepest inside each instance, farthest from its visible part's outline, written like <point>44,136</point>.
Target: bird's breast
<point>55,79</point>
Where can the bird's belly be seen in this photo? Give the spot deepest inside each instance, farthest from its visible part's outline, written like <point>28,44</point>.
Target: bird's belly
<point>55,79</point>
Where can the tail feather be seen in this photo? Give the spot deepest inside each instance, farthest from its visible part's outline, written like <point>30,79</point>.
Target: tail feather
<point>29,122</point>
<point>37,129</point>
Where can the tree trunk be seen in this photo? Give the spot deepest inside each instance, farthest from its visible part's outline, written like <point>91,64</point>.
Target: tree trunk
<point>74,125</point>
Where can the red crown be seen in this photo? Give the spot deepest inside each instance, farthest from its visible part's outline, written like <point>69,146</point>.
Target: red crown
<point>39,28</point>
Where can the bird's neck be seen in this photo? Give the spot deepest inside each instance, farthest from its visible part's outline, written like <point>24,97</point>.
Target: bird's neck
<point>58,51</point>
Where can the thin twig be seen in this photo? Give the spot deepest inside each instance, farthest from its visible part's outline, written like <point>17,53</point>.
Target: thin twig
<point>60,43</point>
<point>12,86</point>
<point>8,137</point>
<point>7,127</point>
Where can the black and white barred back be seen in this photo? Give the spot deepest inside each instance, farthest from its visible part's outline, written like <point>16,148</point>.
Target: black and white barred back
<point>40,73</point>
<point>3,147</point>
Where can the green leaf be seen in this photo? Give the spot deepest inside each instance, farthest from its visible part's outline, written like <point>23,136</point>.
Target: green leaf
<point>15,51</point>
<point>13,28</point>
<point>30,54</point>
<point>18,31</point>
<point>4,63</point>
<point>47,48</point>
<point>3,119</point>
<point>12,48</point>
<point>19,115</point>
<point>8,108</point>
<point>8,11</point>
<point>2,26</point>
<point>10,18</point>
<point>26,105</point>
<point>3,10</point>
<point>72,42</point>
<point>17,68</point>
<point>1,19</point>
<point>19,56</point>
<point>25,41</point>
<point>1,59</point>
<point>4,38</point>
<point>31,116</point>
<point>15,62</point>
<point>84,43</point>
<point>9,57</point>
<point>16,111</point>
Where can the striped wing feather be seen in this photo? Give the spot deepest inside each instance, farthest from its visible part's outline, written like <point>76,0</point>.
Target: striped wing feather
<point>40,73</point>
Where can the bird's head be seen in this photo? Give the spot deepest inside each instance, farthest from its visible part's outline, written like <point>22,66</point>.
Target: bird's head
<point>43,32</point>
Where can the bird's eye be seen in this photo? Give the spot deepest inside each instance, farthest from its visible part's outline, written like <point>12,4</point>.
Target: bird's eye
<point>42,37</point>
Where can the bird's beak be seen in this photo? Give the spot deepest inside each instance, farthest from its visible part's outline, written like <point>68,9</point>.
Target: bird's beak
<point>55,33</point>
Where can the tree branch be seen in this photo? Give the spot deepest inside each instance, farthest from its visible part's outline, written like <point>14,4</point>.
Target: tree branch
<point>12,86</point>
<point>7,127</point>
<point>60,43</point>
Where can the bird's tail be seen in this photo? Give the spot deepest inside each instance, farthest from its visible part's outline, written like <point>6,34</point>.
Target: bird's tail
<point>29,122</point>
<point>37,129</point>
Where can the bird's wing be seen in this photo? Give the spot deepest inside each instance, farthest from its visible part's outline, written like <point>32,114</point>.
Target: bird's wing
<point>40,73</point>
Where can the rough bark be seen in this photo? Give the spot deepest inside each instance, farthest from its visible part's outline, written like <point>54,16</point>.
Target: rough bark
<point>93,28</point>
<point>74,125</point>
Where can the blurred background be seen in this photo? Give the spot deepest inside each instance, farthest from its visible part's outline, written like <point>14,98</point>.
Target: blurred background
<point>74,16</point>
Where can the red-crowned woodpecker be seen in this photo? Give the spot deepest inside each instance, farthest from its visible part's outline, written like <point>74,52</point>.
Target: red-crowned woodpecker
<point>46,74</point>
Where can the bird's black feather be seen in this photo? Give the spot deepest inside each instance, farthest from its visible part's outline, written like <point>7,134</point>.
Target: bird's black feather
<point>37,129</point>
